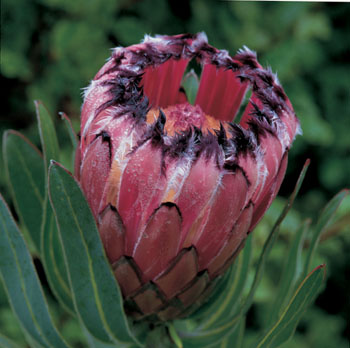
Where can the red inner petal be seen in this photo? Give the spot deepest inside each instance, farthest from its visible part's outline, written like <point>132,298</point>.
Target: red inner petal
<point>220,92</point>
<point>161,84</point>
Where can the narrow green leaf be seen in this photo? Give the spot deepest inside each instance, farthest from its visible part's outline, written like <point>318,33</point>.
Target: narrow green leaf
<point>96,294</point>
<point>73,137</point>
<point>290,272</point>
<point>285,326</point>
<point>51,250</point>
<point>271,240</point>
<point>206,309</point>
<point>53,260</point>
<point>25,172</point>
<point>93,342</point>
<point>210,337</point>
<point>6,342</point>
<point>231,296</point>
<point>174,336</point>
<point>47,133</point>
<point>322,223</point>
<point>22,285</point>
<point>236,336</point>
<point>190,84</point>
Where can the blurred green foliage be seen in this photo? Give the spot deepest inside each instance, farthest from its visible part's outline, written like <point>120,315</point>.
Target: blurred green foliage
<point>51,49</point>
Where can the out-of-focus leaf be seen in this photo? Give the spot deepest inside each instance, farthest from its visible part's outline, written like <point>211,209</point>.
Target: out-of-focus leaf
<point>96,294</point>
<point>285,326</point>
<point>190,84</point>
<point>322,223</point>
<point>130,29</point>
<point>290,272</point>
<point>22,285</point>
<point>5,342</point>
<point>315,129</point>
<point>314,25</point>
<point>25,171</point>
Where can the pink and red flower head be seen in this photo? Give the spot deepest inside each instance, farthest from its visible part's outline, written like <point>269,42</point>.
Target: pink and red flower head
<point>175,188</point>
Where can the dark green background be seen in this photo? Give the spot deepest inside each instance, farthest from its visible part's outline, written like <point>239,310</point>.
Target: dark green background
<point>51,49</point>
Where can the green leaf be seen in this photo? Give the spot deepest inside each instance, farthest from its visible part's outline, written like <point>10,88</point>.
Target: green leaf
<point>210,306</point>
<point>229,299</point>
<point>53,260</point>
<point>73,137</point>
<point>174,336</point>
<point>285,326</point>
<point>51,249</point>
<point>271,239</point>
<point>190,84</point>
<point>236,336</point>
<point>95,343</point>
<point>210,337</point>
<point>25,171</point>
<point>290,272</point>
<point>22,285</point>
<point>5,342</point>
<point>47,133</point>
<point>322,223</point>
<point>96,294</point>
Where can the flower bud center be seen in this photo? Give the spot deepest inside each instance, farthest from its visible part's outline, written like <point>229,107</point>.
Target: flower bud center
<point>181,117</point>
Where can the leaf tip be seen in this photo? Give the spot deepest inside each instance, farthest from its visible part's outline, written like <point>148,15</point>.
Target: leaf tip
<point>321,267</point>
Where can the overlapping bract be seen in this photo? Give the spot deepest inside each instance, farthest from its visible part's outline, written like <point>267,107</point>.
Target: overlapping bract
<point>176,193</point>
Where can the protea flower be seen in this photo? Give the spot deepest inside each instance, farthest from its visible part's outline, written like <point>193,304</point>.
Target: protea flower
<point>175,188</point>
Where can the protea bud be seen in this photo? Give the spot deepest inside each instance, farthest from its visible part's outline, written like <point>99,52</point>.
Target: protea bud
<point>175,188</point>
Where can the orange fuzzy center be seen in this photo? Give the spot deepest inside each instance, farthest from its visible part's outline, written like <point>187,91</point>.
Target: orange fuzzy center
<point>180,117</point>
